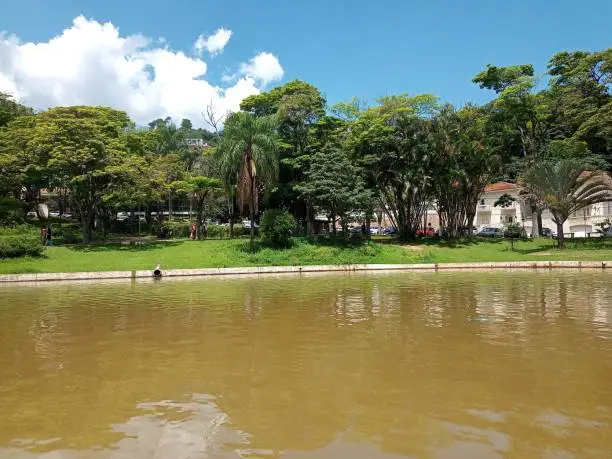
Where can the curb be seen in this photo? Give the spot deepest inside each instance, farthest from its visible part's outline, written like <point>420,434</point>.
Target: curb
<point>533,265</point>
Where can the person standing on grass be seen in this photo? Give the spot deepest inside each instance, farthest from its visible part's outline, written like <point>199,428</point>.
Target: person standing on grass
<point>48,235</point>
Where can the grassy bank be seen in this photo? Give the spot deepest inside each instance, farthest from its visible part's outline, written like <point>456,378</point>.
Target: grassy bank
<point>232,253</point>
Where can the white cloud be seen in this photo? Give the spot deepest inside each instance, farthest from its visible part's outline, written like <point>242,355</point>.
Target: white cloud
<point>91,63</point>
<point>215,43</point>
<point>264,67</point>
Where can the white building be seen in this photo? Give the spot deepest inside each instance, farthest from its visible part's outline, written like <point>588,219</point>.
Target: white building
<point>580,223</point>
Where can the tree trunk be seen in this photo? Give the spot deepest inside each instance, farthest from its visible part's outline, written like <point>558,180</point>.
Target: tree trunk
<point>230,209</point>
<point>252,211</point>
<point>535,224</point>
<point>170,207</point>
<point>87,225</point>
<point>560,236</point>
<point>199,215</point>
<point>539,212</point>
<point>333,222</point>
<point>309,220</point>
<point>368,223</point>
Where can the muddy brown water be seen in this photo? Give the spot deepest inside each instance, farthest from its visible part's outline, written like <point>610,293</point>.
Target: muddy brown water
<point>438,365</point>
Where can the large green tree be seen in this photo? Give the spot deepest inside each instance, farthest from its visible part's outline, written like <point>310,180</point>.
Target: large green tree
<point>298,106</point>
<point>248,156</point>
<point>463,165</point>
<point>335,186</point>
<point>391,143</point>
<point>519,123</point>
<point>581,86</point>
<point>11,109</point>
<point>87,153</point>
<point>201,187</point>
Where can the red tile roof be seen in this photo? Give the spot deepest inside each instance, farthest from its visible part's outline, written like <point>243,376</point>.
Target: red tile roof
<point>500,186</point>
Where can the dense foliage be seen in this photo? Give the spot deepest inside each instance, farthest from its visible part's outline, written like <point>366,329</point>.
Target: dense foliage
<point>20,241</point>
<point>287,149</point>
<point>277,227</point>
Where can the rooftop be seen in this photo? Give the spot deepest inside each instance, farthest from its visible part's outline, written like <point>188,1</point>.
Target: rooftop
<point>500,186</point>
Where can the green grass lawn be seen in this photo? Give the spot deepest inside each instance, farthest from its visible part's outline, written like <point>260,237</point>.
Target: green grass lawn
<point>231,253</point>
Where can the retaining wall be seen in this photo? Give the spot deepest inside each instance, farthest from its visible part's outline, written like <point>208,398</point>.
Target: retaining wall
<point>487,266</point>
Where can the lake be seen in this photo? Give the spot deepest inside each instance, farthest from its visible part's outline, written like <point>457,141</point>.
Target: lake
<point>384,366</point>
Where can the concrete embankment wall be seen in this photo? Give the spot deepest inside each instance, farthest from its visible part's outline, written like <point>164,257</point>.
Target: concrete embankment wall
<point>537,265</point>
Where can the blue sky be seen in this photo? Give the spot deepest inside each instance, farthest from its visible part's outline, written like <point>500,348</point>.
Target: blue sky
<point>348,48</point>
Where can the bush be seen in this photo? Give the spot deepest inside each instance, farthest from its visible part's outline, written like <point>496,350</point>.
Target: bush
<point>217,231</point>
<point>20,241</point>
<point>176,229</point>
<point>68,235</point>
<point>239,230</point>
<point>514,231</point>
<point>11,211</point>
<point>277,227</point>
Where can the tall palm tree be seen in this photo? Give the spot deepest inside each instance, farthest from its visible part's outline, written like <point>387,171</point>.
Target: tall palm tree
<point>565,186</point>
<point>248,157</point>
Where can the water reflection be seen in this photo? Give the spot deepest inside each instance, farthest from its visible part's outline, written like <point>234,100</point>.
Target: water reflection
<point>401,365</point>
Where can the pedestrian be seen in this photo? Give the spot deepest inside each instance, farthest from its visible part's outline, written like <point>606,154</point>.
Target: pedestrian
<point>43,236</point>
<point>49,234</point>
<point>193,231</point>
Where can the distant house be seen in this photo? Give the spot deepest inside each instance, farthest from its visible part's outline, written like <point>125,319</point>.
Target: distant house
<point>488,215</point>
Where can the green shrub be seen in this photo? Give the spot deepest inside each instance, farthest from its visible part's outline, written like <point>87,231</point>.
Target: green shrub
<point>217,231</point>
<point>277,227</point>
<point>11,211</point>
<point>176,229</point>
<point>20,241</point>
<point>514,231</point>
<point>239,230</point>
<point>68,235</point>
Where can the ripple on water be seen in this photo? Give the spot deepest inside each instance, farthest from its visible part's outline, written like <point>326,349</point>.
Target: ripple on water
<point>386,366</point>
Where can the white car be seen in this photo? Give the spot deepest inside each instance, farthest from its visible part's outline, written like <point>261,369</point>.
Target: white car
<point>247,224</point>
<point>374,230</point>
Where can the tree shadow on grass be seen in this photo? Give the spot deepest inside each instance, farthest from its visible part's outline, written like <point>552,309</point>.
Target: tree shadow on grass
<point>118,247</point>
<point>338,242</point>
<point>459,243</point>
<point>249,248</point>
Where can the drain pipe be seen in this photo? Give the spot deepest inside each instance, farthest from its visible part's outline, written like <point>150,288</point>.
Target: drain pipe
<point>157,272</point>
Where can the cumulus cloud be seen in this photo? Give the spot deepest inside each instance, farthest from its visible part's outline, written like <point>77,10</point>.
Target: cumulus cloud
<point>264,67</point>
<point>91,63</point>
<point>215,43</point>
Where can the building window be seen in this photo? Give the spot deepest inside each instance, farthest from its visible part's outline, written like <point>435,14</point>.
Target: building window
<point>584,212</point>
<point>606,208</point>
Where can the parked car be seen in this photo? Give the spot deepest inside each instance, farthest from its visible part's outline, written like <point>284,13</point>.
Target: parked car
<point>547,232</point>
<point>491,232</point>
<point>607,232</point>
<point>247,224</point>
<point>374,230</point>
<point>390,231</point>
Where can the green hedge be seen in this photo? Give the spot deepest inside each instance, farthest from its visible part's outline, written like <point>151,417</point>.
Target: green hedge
<point>181,229</point>
<point>176,229</point>
<point>20,241</point>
